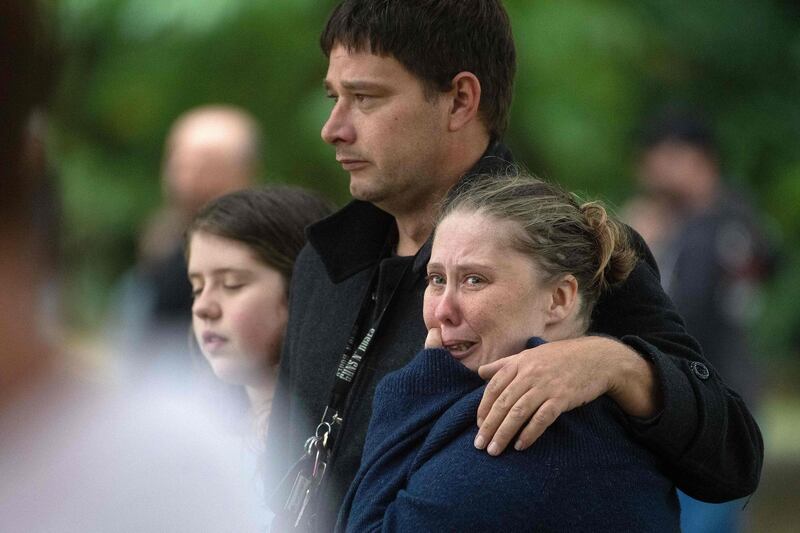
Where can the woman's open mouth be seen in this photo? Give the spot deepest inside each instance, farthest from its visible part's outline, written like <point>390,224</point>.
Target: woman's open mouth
<point>460,349</point>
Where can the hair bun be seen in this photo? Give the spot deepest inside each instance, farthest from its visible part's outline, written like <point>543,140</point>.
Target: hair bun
<point>616,258</point>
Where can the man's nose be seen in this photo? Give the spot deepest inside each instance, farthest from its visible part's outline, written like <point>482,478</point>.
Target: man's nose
<point>339,126</point>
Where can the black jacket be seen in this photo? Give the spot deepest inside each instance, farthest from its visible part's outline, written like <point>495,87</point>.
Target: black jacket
<point>710,445</point>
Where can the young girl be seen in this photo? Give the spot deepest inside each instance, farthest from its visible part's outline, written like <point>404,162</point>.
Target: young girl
<point>240,252</point>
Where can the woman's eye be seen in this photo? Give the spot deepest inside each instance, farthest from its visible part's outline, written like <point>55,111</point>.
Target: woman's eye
<point>196,291</point>
<point>233,286</point>
<point>435,280</point>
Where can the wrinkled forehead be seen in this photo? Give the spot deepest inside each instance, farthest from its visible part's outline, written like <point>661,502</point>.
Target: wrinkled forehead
<point>474,217</point>
<point>473,230</point>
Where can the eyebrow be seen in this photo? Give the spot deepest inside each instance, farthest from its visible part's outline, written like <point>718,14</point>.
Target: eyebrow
<point>222,271</point>
<point>356,85</point>
<point>464,266</point>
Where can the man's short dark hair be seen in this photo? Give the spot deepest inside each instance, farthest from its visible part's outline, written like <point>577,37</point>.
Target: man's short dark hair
<point>679,124</point>
<point>435,40</point>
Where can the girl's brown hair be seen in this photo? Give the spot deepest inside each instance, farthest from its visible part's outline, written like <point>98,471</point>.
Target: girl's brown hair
<point>270,220</point>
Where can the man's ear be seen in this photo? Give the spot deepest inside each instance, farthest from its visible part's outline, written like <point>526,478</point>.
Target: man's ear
<point>564,300</point>
<point>466,97</point>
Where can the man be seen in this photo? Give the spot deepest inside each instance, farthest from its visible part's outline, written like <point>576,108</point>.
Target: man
<point>210,150</point>
<point>714,254</point>
<point>713,257</point>
<point>420,95</point>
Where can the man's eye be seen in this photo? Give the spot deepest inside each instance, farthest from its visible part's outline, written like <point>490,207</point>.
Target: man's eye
<point>233,286</point>
<point>473,280</point>
<point>333,97</point>
<point>196,291</point>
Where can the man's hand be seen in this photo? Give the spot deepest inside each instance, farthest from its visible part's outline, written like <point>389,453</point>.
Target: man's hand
<point>537,385</point>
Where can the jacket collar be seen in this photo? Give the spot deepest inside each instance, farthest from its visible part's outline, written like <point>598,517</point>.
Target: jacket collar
<point>353,238</point>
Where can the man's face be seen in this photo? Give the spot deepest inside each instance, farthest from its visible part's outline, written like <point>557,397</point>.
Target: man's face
<point>388,135</point>
<point>205,160</point>
<point>676,171</point>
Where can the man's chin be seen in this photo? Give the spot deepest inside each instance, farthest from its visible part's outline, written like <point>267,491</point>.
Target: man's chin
<point>359,191</point>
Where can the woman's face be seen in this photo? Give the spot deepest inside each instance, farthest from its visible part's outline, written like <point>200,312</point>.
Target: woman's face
<point>486,298</point>
<point>240,311</point>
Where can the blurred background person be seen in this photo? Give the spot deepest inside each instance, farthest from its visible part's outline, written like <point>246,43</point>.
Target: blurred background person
<point>210,150</point>
<point>25,77</point>
<point>713,256</point>
<point>75,456</point>
<point>46,213</point>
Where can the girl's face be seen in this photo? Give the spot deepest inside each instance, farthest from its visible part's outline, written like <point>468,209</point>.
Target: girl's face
<point>485,297</point>
<point>240,311</point>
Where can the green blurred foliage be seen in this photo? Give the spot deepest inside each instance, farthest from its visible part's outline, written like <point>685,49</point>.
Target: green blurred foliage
<point>589,72</point>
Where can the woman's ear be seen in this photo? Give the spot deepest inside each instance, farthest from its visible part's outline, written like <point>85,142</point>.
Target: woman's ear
<point>466,98</point>
<point>564,300</point>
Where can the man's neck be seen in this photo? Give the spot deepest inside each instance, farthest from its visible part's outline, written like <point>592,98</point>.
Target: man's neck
<point>413,230</point>
<point>414,226</point>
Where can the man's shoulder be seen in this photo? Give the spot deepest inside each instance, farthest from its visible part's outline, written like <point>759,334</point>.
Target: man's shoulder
<point>308,272</point>
<point>351,239</point>
<point>307,260</point>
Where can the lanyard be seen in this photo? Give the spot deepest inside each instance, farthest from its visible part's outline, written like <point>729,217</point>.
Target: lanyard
<point>353,355</point>
<point>298,493</point>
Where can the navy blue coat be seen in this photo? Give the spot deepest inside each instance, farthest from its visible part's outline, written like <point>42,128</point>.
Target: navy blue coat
<point>420,471</point>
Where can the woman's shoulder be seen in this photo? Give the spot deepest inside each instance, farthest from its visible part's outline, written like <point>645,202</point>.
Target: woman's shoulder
<point>589,437</point>
<point>594,434</point>
<point>584,463</point>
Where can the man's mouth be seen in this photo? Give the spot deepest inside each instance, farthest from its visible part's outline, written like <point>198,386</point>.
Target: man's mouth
<point>352,164</point>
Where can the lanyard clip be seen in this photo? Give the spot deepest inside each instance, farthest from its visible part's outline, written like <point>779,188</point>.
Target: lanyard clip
<point>334,420</point>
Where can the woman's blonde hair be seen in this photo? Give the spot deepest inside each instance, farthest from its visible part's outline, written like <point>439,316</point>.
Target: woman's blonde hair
<point>556,229</point>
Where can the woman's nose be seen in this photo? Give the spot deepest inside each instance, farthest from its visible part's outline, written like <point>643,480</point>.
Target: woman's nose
<point>447,309</point>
